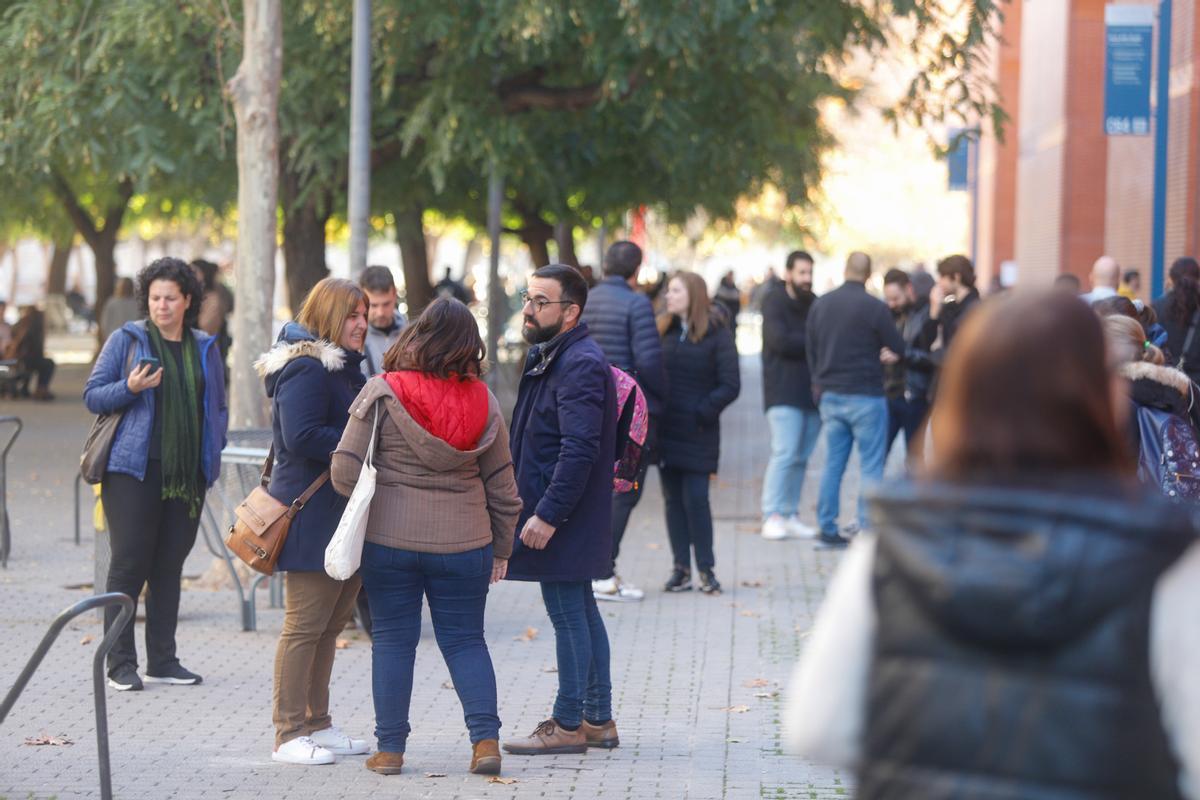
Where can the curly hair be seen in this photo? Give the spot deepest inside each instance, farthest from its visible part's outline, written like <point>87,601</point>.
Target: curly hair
<point>176,270</point>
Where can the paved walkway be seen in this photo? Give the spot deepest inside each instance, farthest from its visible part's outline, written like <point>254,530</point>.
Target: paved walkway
<point>697,679</point>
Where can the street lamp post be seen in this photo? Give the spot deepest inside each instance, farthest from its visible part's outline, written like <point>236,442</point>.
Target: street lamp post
<point>359,201</point>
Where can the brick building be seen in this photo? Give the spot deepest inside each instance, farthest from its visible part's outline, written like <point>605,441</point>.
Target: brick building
<point>1057,192</point>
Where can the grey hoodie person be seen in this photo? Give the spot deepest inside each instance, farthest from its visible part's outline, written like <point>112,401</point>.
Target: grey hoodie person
<point>377,343</point>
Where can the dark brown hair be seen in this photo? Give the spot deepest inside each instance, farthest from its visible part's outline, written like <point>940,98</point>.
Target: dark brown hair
<point>444,341</point>
<point>698,316</point>
<point>1026,391</point>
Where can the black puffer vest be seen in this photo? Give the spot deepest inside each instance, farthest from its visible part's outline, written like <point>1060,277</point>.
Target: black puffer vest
<point>1012,653</point>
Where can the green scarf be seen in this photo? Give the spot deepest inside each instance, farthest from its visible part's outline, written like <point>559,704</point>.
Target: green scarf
<point>180,422</point>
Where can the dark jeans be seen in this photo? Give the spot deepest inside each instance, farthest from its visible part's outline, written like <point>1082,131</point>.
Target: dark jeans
<point>457,587</point>
<point>905,415</point>
<point>150,539</point>
<point>581,642</point>
<point>689,517</point>
<point>624,503</point>
<point>43,368</point>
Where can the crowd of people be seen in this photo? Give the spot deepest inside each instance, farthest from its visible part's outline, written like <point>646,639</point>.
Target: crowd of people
<point>1040,547</point>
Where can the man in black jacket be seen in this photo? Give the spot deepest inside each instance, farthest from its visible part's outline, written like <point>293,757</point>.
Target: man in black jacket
<point>622,323</point>
<point>848,332</point>
<point>792,415</point>
<point>906,383</point>
<point>952,299</point>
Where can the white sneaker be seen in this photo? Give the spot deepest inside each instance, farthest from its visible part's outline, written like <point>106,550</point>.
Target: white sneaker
<point>338,743</point>
<point>616,590</point>
<point>303,751</point>
<point>775,528</point>
<point>798,530</point>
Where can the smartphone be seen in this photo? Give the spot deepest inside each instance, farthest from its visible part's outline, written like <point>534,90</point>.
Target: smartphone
<point>150,362</point>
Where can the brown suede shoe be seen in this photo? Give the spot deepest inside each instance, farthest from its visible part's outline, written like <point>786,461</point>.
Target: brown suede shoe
<point>485,757</point>
<point>386,763</point>
<point>548,738</point>
<point>601,735</point>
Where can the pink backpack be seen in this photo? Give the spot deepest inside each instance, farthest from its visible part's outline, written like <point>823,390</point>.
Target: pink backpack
<point>632,421</point>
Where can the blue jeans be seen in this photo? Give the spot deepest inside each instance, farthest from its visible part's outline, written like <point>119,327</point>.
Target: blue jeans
<point>581,642</point>
<point>457,587</point>
<point>846,419</point>
<point>906,415</point>
<point>794,433</point>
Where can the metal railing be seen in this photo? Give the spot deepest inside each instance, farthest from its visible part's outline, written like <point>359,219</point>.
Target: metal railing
<point>98,694</point>
<point>5,525</point>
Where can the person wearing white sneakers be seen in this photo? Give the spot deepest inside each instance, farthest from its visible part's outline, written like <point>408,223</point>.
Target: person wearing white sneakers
<point>792,414</point>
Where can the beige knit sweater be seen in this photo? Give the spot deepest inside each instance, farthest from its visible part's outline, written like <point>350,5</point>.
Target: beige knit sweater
<point>429,497</point>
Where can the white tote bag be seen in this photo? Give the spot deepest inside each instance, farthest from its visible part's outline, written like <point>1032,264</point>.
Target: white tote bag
<point>344,553</point>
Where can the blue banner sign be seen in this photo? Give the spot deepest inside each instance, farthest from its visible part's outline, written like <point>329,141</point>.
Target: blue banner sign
<point>1128,68</point>
<point>958,160</point>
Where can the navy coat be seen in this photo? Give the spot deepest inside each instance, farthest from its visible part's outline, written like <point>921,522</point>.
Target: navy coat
<point>702,379</point>
<point>622,323</point>
<point>563,438</point>
<point>312,384</point>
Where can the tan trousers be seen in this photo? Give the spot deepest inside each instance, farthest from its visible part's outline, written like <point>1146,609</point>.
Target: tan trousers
<point>317,609</point>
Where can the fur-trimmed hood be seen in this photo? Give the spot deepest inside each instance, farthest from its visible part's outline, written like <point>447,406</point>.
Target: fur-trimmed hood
<point>296,342</point>
<point>1167,376</point>
<point>1158,387</point>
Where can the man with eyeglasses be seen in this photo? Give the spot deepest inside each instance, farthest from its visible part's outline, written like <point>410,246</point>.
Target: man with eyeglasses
<point>563,441</point>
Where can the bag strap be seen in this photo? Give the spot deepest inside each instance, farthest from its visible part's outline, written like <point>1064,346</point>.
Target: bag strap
<point>299,502</point>
<point>1191,337</point>
<point>370,460</point>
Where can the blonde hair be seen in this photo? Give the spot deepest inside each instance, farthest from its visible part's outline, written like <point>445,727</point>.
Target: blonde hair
<point>1127,342</point>
<point>328,305</point>
<point>698,306</point>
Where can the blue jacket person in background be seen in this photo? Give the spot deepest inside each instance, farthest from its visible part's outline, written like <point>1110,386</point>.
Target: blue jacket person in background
<point>168,381</point>
<point>564,441</point>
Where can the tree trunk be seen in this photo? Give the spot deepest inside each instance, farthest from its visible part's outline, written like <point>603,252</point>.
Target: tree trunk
<point>303,238</point>
<point>564,238</point>
<point>536,233</point>
<point>254,91</point>
<point>56,278</point>
<point>414,255</point>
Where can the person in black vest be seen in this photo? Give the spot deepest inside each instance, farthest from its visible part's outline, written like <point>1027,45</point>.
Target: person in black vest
<point>702,379</point>
<point>1022,625</point>
<point>792,415</point>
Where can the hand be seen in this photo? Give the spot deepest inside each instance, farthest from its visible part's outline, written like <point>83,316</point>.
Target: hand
<point>142,379</point>
<point>499,569</point>
<point>936,295</point>
<point>887,356</point>
<point>536,533</point>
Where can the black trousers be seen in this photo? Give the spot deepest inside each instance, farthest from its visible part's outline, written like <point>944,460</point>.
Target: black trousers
<point>689,517</point>
<point>150,540</point>
<point>42,367</point>
<point>623,504</point>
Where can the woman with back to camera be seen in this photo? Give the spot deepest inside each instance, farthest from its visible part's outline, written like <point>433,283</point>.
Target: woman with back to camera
<point>702,379</point>
<point>1023,624</point>
<point>1179,313</point>
<point>441,523</point>
<point>167,379</point>
<point>312,374</point>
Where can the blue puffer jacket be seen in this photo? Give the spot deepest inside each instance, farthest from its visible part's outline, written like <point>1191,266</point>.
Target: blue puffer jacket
<point>106,393</point>
<point>622,323</point>
<point>312,385</point>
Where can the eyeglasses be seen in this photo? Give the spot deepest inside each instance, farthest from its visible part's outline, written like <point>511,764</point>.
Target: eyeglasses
<point>540,303</point>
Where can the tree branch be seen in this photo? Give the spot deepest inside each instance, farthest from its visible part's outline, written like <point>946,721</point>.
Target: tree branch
<point>116,212</point>
<point>80,218</point>
<point>526,92</point>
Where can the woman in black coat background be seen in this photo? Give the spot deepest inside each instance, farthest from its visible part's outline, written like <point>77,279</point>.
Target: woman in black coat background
<point>702,379</point>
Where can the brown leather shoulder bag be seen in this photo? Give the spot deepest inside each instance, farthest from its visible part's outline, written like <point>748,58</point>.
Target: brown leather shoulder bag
<point>260,524</point>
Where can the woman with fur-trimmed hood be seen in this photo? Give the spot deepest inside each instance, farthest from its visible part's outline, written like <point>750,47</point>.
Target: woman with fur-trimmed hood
<point>312,374</point>
<point>1165,418</point>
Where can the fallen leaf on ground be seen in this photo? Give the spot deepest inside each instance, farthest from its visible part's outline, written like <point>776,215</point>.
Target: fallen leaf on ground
<point>549,669</point>
<point>756,683</point>
<point>54,741</point>
<point>87,639</point>
<point>753,584</point>
<point>342,644</point>
<point>653,546</point>
<point>528,636</point>
<point>736,709</point>
<point>498,779</point>
<point>766,695</point>
<point>447,685</point>
<point>749,613</point>
<point>435,774</point>
<point>731,740</point>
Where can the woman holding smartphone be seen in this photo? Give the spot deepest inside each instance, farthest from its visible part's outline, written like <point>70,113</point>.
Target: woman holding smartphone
<point>168,381</point>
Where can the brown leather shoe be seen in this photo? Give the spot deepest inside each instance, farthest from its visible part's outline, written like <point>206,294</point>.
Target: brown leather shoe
<point>548,738</point>
<point>485,757</point>
<point>386,763</point>
<point>601,735</point>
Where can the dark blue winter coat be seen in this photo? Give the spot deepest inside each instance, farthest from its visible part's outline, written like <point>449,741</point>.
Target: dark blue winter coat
<point>622,323</point>
<point>312,384</point>
<point>703,378</point>
<point>106,392</point>
<point>563,444</point>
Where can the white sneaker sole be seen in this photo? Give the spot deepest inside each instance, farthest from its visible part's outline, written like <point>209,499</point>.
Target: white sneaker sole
<point>349,751</point>
<point>121,687</point>
<point>301,762</point>
<point>615,597</point>
<point>172,681</point>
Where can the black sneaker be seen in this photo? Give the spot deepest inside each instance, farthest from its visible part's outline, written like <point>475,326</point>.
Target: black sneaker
<point>174,674</point>
<point>709,583</point>
<point>828,541</point>
<point>680,581</point>
<point>124,678</point>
